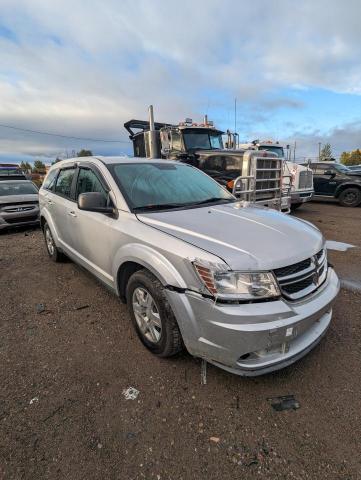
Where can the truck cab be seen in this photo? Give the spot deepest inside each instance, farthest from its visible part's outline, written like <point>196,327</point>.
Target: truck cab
<point>252,176</point>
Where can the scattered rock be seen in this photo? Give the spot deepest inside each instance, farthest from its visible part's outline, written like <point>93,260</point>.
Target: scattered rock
<point>215,439</point>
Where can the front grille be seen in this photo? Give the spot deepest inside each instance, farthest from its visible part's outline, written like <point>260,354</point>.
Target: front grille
<point>291,269</point>
<point>30,218</point>
<point>14,204</point>
<point>305,179</point>
<point>302,278</point>
<point>19,209</point>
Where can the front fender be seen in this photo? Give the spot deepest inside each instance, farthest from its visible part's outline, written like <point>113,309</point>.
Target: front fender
<point>151,259</point>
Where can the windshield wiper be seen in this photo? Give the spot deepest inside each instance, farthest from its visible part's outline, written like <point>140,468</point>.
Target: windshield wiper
<point>162,206</point>
<point>212,200</point>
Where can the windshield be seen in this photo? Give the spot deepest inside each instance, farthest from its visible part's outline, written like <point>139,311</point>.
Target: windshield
<point>202,140</point>
<point>277,150</point>
<point>17,188</point>
<point>341,168</point>
<point>152,186</point>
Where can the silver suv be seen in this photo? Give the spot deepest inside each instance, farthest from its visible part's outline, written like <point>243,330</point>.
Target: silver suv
<point>247,288</point>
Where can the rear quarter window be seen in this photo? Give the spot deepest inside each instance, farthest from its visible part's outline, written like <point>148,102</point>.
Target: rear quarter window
<point>49,181</point>
<point>64,182</point>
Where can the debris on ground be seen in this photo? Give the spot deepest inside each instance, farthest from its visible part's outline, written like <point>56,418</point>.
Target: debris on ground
<point>338,246</point>
<point>285,402</point>
<point>40,307</point>
<point>34,400</point>
<point>130,393</point>
<point>82,307</point>
<point>204,372</point>
<point>215,439</point>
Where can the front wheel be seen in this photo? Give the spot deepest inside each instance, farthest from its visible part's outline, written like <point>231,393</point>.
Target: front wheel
<point>350,197</point>
<point>152,316</point>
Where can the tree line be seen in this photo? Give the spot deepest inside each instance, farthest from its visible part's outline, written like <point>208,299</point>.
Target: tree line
<point>351,158</point>
<point>40,167</point>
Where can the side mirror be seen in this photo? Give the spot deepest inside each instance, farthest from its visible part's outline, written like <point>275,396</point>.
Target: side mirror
<point>94,202</point>
<point>330,173</point>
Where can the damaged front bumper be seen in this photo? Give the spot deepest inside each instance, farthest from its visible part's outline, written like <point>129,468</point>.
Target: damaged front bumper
<point>256,338</point>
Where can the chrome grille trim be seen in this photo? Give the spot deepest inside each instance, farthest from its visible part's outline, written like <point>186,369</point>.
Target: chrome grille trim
<point>305,179</point>
<point>301,283</point>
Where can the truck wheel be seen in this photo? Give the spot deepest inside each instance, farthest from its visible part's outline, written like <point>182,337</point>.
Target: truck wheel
<point>294,206</point>
<point>51,248</point>
<point>152,315</point>
<point>350,197</point>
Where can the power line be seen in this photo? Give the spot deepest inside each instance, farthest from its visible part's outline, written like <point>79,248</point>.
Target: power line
<point>63,136</point>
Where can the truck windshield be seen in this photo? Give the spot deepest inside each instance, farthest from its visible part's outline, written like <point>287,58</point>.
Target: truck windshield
<point>17,188</point>
<point>277,150</point>
<point>202,140</point>
<point>159,186</point>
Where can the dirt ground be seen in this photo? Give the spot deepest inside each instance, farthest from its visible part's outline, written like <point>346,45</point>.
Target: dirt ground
<point>64,367</point>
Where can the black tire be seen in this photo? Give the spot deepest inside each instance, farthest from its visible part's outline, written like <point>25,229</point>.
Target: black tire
<point>350,197</point>
<point>53,252</point>
<point>170,341</point>
<point>294,206</point>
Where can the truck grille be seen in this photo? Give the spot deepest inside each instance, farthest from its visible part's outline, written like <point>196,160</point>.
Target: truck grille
<point>305,179</point>
<point>302,278</point>
<point>268,178</point>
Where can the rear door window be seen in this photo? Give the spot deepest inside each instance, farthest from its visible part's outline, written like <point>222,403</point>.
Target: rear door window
<point>64,182</point>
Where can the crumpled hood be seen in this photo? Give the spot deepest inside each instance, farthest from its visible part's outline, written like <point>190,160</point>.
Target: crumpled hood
<point>31,197</point>
<point>246,237</point>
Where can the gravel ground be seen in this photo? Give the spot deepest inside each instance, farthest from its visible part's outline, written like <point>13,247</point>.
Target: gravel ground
<point>64,367</point>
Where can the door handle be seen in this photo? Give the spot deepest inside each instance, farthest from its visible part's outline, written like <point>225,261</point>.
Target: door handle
<point>72,213</point>
<point>50,202</point>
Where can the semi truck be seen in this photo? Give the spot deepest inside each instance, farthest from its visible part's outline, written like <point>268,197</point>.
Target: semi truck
<point>251,175</point>
<point>298,178</point>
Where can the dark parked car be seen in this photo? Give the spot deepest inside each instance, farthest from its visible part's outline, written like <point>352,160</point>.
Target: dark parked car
<point>337,181</point>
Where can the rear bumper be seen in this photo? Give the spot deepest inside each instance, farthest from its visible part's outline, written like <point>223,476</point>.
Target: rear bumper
<point>302,196</point>
<point>18,219</point>
<point>253,339</point>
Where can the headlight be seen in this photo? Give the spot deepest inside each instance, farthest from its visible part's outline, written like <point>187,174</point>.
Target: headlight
<point>238,285</point>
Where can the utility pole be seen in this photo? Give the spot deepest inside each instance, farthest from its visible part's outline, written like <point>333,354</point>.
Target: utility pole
<point>319,151</point>
<point>235,114</point>
<point>294,153</point>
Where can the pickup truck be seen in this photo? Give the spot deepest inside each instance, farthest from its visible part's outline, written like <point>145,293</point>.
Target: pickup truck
<point>334,180</point>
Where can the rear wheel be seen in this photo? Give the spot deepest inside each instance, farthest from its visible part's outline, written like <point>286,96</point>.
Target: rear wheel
<point>350,197</point>
<point>51,247</point>
<point>152,316</point>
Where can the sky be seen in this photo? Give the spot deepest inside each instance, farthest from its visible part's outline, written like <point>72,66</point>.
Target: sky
<point>82,68</point>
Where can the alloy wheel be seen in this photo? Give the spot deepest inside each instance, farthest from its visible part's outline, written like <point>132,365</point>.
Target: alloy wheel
<point>147,315</point>
<point>49,242</point>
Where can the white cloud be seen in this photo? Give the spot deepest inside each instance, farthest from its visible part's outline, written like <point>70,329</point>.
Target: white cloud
<point>83,68</point>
